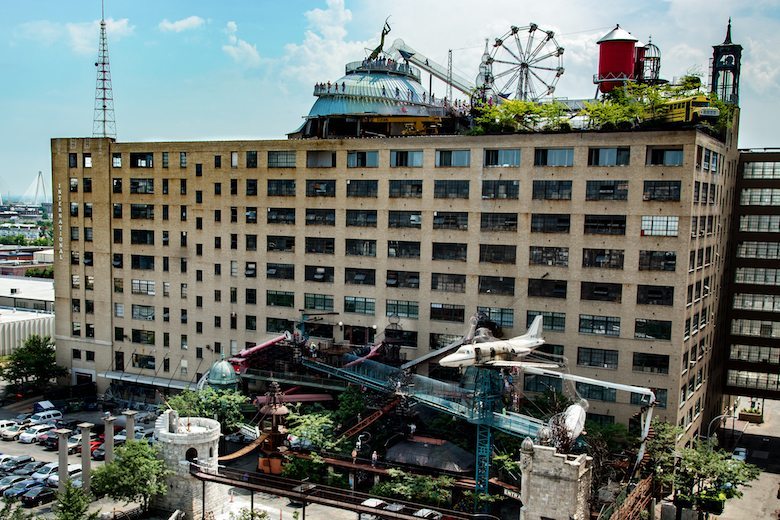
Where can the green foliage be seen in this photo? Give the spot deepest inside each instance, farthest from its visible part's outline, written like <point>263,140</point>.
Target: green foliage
<point>298,468</point>
<point>509,116</point>
<point>316,427</point>
<point>223,405</point>
<point>616,437</point>
<point>609,114</point>
<point>11,510</point>
<point>555,116</point>
<point>40,272</point>
<point>73,504</point>
<point>506,462</point>
<point>248,514</point>
<point>481,500</point>
<point>351,404</point>
<point>13,240</point>
<point>661,449</point>
<point>547,404</point>
<point>416,488</point>
<point>135,475</point>
<point>34,362</point>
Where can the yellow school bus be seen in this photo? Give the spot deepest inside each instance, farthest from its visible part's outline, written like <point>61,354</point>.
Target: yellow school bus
<point>689,110</point>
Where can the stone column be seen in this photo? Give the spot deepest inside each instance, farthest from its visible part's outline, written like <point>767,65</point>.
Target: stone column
<point>526,467</point>
<point>130,424</point>
<point>86,455</point>
<point>62,443</point>
<point>108,437</point>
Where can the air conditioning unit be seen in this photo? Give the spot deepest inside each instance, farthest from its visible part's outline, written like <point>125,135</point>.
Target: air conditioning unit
<point>14,290</point>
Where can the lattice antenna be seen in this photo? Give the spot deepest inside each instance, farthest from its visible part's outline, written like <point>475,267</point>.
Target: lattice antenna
<point>103,121</point>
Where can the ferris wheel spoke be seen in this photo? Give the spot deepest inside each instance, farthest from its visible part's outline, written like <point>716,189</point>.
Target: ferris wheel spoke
<point>539,67</point>
<point>543,57</point>
<point>520,50</point>
<point>509,82</point>
<point>540,46</point>
<point>510,63</point>
<point>550,88</point>
<point>511,53</point>
<point>504,73</point>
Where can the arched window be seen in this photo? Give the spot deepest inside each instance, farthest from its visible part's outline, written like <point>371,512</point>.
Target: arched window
<point>211,453</point>
<point>191,455</point>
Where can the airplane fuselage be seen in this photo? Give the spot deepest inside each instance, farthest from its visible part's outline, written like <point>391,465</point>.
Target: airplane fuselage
<point>479,353</point>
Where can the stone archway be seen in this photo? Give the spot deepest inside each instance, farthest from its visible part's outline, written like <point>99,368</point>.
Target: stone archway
<point>191,455</point>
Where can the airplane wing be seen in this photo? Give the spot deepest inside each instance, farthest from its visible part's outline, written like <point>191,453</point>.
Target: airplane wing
<point>521,364</point>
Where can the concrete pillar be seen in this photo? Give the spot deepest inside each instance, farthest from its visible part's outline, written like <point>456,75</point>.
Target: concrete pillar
<point>86,455</point>
<point>108,439</point>
<point>130,424</point>
<point>62,443</point>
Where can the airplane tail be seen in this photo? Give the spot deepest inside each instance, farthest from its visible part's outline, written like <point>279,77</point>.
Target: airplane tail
<point>535,330</point>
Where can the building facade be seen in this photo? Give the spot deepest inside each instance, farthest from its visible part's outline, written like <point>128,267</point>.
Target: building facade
<point>170,255</point>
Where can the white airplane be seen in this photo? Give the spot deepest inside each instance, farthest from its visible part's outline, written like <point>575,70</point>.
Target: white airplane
<point>498,352</point>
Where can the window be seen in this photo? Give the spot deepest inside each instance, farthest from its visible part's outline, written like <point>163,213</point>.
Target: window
<point>251,242</point>
<point>760,223</point>
<point>143,312</point>
<point>509,157</point>
<point>141,211</point>
<point>448,282</point>
<point>142,287</point>
<point>601,291</point>
<point>500,189</point>
<point>550,223</point>
<point>500,285</point>
<point>403,219</point>
<point>217,162</point>
<point>165,159</point>
<point>554,157</point>
<point>403,249</point>
<point>609,156</point>
<point>454,158</point>
<point>605,224</point>
<point>75,258</point>
<point>663,226</point>
<point>74,233</point>
<point>359,305</point>
<point>404,279</point>
<point>320,217</point>
<point>606,190</point>
<point>655,295</point>
<point>281,159</point>
<point>119,310</point>
<point>281,187</point>
<point>141,186</point>
<point>357,159</point>
<point>447,312</point>
<point>542,384</point>
<point>551,190</point>
<point>118,285</point>
<point>144,337</point>
<point>87,160</point>
<point>75,328</point>
<point>406,189</point>
<point>503,317</point>
<point>546,288</point>
<point>653,329</point>
<point>320,159</point>
<point>362,218</point>
<point>251,160</point>
<point>234,186</point>
<point>360,247</point>
<point>357,276</point>
<point>596,392</point>
<point>250,269</point>
<point>498,222</point>
<point>280,243</point>
<point>654,363</point>
<point>661,156</point>
<point>280,271</point>
<point>325,188</point>
<point>313,273</point>
<point>117,260</point>
<point>406,158</point>
<point>182,159</point>
<point>323,246</point>
<point>657,260</point>
<point>552,321</point>
<point>497,254</point>
<point>281,216</point>
<point>73,160</point>
<point>552,256</point>
<point>402,309</point>
<point>449,251</point>
<point>234,159</point>
<point>74,185</point>
<point>597,357</point>
<point>436,341</point>
<point>603,325</point>
<point>280,298</point>
<point>761,170</point>
<point>362,188</point>
<point>321,302</point>
<point>138,160</point>
<point>142,262</point>
<point>87,185</point>
<point>142,236</point>
<point>603,258</point>
<point>116,185</point>
<point>165,186</point>
<point>661,398</point>
<point>450,189</point>
<point>74,209</point>
<point>251,187</point>
<point>661,190</point>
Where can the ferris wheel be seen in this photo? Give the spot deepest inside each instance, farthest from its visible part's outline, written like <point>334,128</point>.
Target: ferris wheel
<point>524,64</point>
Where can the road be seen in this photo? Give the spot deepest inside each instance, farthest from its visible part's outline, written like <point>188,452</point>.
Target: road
<point>760,501</point>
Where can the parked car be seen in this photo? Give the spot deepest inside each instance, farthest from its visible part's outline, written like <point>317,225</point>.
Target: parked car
<point>51,441</point>
<point>45,471</point>
<point>23,418</point>
<point>34,432</point>
<point>5,457</point>
<point>428,513</point>
<point>30,468</point>
<point>16,462</point>
<point>46,416</point>
<point>38,495</point>
<point>20,488</point>
<point>9,481</point>
<point>74,442</point>
<point>74,471</point>
<point>100,452</point>
<point>6,424</point>
<point>122,435</point>
<point>739,454</point>
<point>93,445</point>
<point>13,432</point>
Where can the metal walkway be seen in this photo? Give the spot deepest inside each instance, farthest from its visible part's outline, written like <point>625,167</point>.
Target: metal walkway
<point>318,494</point>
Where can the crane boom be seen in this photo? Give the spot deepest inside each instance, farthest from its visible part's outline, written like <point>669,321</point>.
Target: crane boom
<point>428,65</point>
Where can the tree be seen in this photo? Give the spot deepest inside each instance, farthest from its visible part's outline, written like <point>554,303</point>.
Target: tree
<point>351,404</point>
<point>12,511</point>
<point>249,514</point>
<point>34,362</point>
<point>315,427</point>
<point>73,504</point>
<point>223,405</point>
<point>661,449</point>
<point>508,116</point>
<point>416,488</point>
<point>135,474</point>
<point>40,272</point>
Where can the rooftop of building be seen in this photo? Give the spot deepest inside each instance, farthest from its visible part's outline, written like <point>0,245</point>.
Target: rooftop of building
<point>16,315</point>
<point>27,288</point>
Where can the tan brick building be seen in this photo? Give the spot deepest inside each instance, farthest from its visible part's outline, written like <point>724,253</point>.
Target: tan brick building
<point>172,254</point>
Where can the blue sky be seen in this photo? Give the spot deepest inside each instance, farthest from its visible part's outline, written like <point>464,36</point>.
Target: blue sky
<point>198,69</point>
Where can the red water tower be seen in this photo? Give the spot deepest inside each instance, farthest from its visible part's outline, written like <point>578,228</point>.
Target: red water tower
<point>616,59</point>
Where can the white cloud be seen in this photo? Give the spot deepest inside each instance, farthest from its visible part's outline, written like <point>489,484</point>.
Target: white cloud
<point>185,24</point>
<point>81,37</point>
<point>242,52</point>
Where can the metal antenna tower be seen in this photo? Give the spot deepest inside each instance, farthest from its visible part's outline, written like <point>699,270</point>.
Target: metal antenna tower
<point>449,75</point>
<point>103,121</point>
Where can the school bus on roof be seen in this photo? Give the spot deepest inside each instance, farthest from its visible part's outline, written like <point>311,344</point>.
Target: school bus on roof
<point>689,110</point>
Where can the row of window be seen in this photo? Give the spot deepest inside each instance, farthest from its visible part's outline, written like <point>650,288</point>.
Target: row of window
<point>534,383</point>
<point>497,157</point>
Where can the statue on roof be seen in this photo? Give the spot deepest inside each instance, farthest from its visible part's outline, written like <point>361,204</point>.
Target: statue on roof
<point>385,31</point>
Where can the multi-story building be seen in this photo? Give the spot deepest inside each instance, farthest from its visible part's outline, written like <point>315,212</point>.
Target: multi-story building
<point>171,255</point>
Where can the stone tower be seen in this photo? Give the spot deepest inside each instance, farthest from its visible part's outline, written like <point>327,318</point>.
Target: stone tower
<point>183,440</point>
<point>726,66</point>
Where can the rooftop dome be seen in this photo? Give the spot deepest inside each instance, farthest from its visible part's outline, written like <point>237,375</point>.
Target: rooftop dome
<point>618,34</point>
<point>222,375</point>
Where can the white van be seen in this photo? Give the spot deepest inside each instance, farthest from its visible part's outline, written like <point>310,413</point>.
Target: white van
<point>47,416</point>
<point>74,471</point>
<point>6,424</point>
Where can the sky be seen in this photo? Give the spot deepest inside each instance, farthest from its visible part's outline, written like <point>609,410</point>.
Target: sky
<point>245,69</point>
